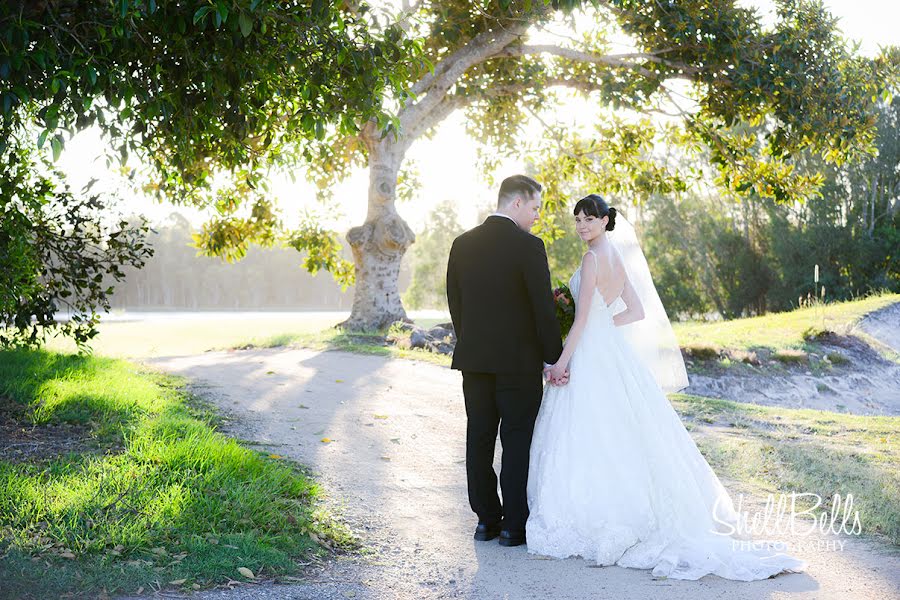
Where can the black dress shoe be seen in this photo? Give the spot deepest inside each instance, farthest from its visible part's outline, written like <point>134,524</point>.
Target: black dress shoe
<point>512,538</point>
<point>487,531</point>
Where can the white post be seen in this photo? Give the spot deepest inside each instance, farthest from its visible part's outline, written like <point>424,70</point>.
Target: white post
<point>816,293</point>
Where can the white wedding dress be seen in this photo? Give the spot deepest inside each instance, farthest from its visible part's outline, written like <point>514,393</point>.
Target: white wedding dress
<point>615,477</point>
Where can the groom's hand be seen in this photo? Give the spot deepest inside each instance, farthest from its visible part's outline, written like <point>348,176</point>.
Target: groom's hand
<point>547,376</point>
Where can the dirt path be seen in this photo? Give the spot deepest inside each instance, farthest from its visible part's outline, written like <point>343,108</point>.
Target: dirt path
<point>395,472</point>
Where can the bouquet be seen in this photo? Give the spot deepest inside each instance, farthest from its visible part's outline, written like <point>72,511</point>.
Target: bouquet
<point>565,308</point>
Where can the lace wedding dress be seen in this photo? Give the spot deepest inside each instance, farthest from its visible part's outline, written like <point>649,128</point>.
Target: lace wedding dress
<point>615,477</point>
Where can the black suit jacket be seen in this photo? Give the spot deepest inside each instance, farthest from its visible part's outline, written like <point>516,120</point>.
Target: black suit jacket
<point>501,300</point>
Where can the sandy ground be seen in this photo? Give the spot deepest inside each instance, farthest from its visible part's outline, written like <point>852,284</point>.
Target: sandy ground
<point>395,472</point>
<point>884,325</point>
<point>868,385</point>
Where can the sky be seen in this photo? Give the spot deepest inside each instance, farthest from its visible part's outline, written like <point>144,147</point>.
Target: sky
<point>447,162</point>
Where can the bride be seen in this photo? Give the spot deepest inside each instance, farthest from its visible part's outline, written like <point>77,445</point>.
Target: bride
<point>614,476</point>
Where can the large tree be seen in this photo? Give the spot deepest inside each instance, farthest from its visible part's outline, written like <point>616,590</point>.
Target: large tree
<point>796,80</point>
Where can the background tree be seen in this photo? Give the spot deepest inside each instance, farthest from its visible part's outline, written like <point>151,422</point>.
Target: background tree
<point>711,254</point>
<point>428,258</point>
<point>797,81</point>
<point>58,252</point>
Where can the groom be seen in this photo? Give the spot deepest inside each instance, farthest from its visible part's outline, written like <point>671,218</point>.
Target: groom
<point>501,303</point>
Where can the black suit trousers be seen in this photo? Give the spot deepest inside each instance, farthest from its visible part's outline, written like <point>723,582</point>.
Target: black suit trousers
<point>512,403</point>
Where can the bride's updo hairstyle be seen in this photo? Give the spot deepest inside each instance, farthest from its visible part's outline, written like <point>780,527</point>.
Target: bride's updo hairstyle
<point>596,206</point>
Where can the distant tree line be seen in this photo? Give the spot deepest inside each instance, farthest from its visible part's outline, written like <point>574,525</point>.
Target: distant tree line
<point>714,255</point>
<point>265,279</point>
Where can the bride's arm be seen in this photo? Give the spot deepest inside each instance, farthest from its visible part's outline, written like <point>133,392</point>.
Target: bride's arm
<point>634,310</point>
<point>582,310</point>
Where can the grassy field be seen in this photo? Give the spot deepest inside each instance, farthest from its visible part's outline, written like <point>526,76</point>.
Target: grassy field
<point>783,334</point>
<point>178,337</point>
<point>778,450</point>
<point>173,337</point>
<point>779,331</point>
<point>150,497</point>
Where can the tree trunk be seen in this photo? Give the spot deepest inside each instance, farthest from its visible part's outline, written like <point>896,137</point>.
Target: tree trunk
<point>380,243</point>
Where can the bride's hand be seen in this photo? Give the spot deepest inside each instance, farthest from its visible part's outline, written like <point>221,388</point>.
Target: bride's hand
<point>556,373</point>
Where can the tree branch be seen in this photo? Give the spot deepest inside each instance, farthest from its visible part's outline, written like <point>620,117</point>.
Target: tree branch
<point>447,106</point>
<point>450,69</point>
<point>613,60</point>
<point>453,102</point>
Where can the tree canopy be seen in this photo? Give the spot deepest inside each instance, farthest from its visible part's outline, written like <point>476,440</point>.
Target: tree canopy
<point>197,89</point>
<point>753,97</point>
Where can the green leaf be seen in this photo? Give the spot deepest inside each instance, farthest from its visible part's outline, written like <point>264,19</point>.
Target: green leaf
<point>222,10</point>
<point>42,138</point>
<point>57,144</point>
<point>51,117</point>
<point>201,13</point>
<point>246,24</point>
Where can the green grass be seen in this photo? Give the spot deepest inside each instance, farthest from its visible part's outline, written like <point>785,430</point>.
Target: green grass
<point>782,334</point>
<point>157,495</point>
<point>779,331</point>
<point>778,450</point>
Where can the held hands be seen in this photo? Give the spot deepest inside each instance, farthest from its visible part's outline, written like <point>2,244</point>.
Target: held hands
<point>557,374</point>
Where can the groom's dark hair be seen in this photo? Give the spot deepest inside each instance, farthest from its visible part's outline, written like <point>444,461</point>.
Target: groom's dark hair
<point>517,185</point>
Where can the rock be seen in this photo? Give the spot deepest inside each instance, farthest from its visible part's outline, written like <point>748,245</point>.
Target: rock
<point>418,339</point>
<point>444,348</point>
<point>448,326</point>
<point>438,333</point>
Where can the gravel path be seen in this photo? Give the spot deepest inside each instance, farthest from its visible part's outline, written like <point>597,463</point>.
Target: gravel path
<point>394,470</point>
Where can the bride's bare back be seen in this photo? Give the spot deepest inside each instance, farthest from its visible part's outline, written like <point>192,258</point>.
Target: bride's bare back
<point>612,282</point>
<point>611,276</point>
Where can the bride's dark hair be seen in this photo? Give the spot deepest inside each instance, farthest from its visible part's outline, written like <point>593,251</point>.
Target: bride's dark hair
<point>595,206</point>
